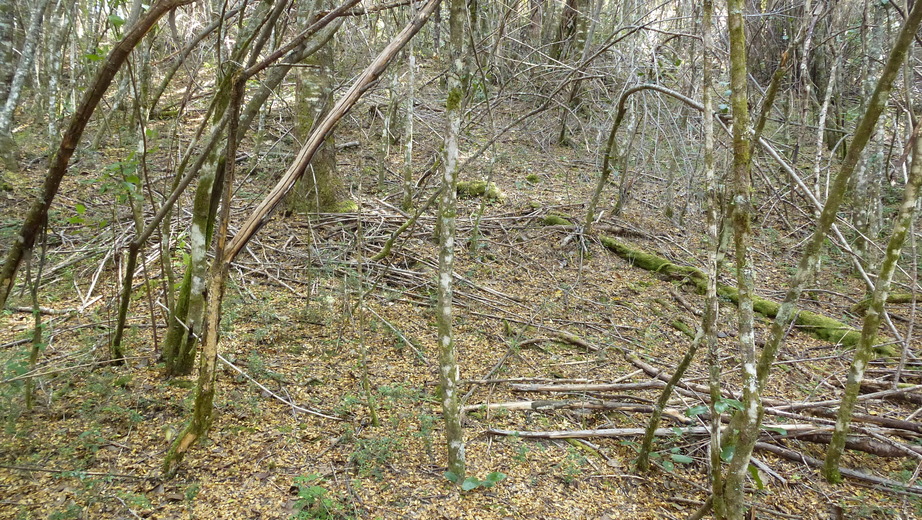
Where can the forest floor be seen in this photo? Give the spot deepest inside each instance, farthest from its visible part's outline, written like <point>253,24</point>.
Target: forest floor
<point>534,304</point>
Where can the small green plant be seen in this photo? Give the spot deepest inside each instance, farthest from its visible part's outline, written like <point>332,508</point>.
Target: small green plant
<point>72,512</point>
<point>426,423</point>
<point>135,501</point>
<point>521,454</point>
<point>314,501</point>
<point>572,465</point>
<point>192,491</point>
<point>371,455</point>
<point>472,483</point>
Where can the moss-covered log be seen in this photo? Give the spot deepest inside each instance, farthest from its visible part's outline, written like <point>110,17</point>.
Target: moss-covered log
<point>820,326</point>
<point>892,298</point>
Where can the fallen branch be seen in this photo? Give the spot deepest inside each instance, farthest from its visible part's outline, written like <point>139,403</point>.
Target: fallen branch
<point>597,387</point>
<point>632,432</point>
<point>578,405</point>
<point>850,473</point>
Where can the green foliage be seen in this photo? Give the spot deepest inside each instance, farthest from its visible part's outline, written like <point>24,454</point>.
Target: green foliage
<point>572,465</point>
<point>472,483</point>
<point>192,491</point>
<point>135,501</point>
<point>372,455</point>
<point>315,502</point>
<point>72,512</point>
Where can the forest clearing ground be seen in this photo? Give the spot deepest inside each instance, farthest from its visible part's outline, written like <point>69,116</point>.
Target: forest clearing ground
<point>97,435</point>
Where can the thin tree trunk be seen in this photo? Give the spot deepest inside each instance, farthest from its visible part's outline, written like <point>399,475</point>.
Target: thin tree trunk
<point>33,33</point>
<point>407,204</point>
<point>712,221</point>
<point>873,315</point>
<point>448,363</point>
<point>203,409</point>
<point>730,503</point>
<point>7,29</point>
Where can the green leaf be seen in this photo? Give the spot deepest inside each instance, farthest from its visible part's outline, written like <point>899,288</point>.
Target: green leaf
<point>668,466</point>
<point>451,476</point>
<point>116,20</point>
<point>754,473</point>
<point>470,483</point>
<point>92,56</point>
<point>80,209</point>
<point>726,453</point>
<point>780,431</point>
<point>75,220</point>
<point>496,476</point>
<point>682,459</point>
<point>723,405</point>
<point>695,411</point>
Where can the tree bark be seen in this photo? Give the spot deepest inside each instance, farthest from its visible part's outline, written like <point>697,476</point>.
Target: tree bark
<point>730,502</point>
<point>448,363</point>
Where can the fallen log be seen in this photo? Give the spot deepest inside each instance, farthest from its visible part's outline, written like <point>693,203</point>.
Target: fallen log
<point>822,327</point>
<point>595,404</point>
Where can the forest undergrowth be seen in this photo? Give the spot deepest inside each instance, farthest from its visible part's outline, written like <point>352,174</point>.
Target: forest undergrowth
<point>327,406</point>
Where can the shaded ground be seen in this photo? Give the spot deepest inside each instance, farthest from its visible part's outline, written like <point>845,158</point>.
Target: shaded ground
<point>93,445</point>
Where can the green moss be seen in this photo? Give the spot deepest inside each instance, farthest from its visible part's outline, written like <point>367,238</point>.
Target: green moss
<point>553,219</point>
<point>344,206</point>
<point>683,327</point>
<point>819,326</point>
<point>471,189</point>
<point>454,99</point>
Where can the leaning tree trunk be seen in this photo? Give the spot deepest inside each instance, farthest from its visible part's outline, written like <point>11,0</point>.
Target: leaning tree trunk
<point>58,168</point>
<point>730,503</point>
<point>742,430</point>
<point>203,408</point>
<point>448,363</point>
<point>873,315</point>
